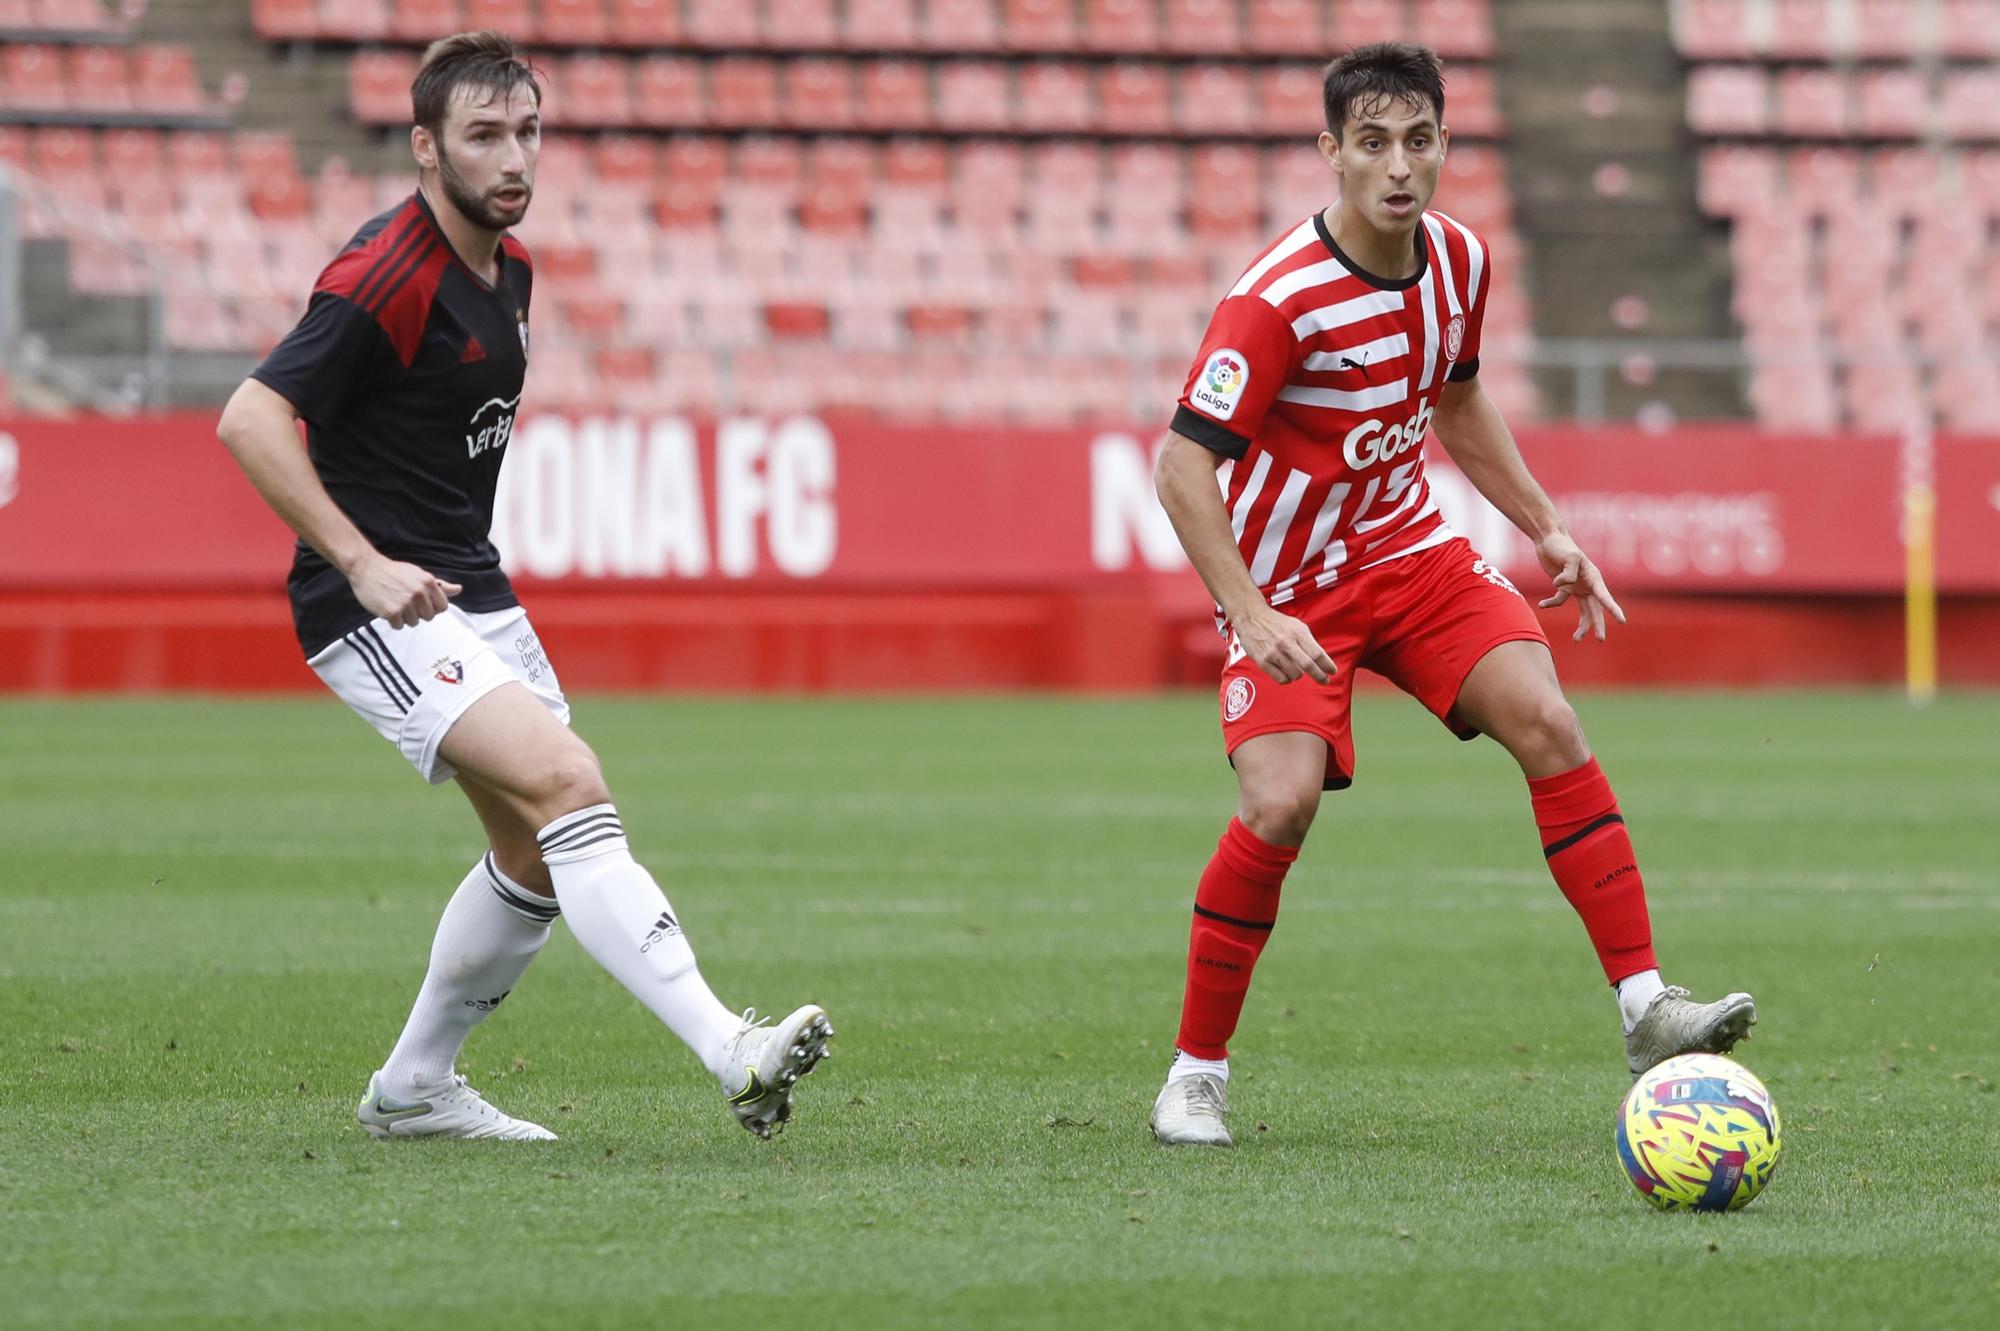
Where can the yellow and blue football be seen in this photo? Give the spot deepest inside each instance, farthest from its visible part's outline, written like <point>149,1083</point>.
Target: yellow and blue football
<point>1698,1133</point>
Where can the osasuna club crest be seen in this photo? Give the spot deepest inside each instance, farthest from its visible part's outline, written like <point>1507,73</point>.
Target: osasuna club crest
<point>1454,336</point>
<point>521,321</point>
<point>1236,699</point>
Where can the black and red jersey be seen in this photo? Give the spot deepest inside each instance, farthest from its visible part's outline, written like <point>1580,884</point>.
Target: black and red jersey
<point>407,370</point>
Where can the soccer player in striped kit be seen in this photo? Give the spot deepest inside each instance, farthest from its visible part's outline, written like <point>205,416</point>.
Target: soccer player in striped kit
<point>407,371</point>
<point>1320,375</point>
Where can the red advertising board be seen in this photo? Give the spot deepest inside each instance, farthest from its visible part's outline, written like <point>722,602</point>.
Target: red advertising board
<point>844,504</point>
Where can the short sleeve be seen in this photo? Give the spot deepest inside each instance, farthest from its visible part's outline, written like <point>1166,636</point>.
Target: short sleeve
<point>1248,354</point>
<point>1467,364</point>
<point>335,349</point>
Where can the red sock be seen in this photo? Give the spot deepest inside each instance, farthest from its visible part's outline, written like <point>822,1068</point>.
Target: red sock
<point>1590,855</point>
<point>1234,909</point>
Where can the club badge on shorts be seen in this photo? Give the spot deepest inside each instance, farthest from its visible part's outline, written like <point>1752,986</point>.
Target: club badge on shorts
<point>1236,699</point>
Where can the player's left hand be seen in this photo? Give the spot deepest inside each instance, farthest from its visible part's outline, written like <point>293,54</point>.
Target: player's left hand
<point>1577,579</point>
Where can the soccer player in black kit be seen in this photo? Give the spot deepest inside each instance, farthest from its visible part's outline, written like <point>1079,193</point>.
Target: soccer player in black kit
<point>407,370</point>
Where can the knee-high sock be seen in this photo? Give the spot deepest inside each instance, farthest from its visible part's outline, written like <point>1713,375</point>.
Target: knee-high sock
<point>1590,856</point>
<point>625,923</point>
<point>1234,908</point>
<point>491,929</point>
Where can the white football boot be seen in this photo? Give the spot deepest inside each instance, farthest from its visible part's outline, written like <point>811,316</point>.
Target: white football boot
<point>1189,1112</point>
<point>451,1110</point>
<point>766,1061</point>
<point>1674,1025</point>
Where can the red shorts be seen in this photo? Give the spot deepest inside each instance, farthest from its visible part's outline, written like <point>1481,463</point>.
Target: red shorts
<point>1422,621</point>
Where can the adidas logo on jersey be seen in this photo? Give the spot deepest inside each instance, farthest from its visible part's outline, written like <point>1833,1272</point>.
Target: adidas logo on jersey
<point>1368,443</point>
<point>473,352</point>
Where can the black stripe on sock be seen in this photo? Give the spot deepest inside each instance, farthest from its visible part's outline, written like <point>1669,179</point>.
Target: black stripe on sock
<point>542,908</point>
<point>1207,914</point>
<point>608,834</point>
<point>555,840</point>
<point>1556,848</point>
<point>394,694</point>
<point>390,657</point>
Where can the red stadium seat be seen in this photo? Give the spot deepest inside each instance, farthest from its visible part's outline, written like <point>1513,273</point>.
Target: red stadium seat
<point>1289,101</point>
<point>1054,98</point>
<point>807,25</point>
<point>723,23</point>
<point>1886,29</point>
<point>1970,106</point>
<point>1297,182</point>
<point>1133,99</point>
<point>1979,183</point>
<point>973,95</point>
<point>881,25</point>
<point>378,86</point>
<point>100,80</point>
<point>1824,181</point>
<point>961,25</point>
<point>817,94</point>
<point>1150,175</point>
<point>895,94</point>
<point>1713,29</point>
<point>131,152</point>
<point>200,156</point>
<point>693,159</point>
<point>624,159</point>
<point>835,208</point>
<point>279,197</point>
<point>62,155</point>
<point>592,90</point>
<point>516,18</point>
<point>840,161</point>
<point>1359,22</point>
<point>1812,104</point>
<point>71,16</point>
<point>354,20</point>
<point>645,22</point>
<point>1456,29</point>
<point>774,164</point>
<point>424,21</point>
<point>164,80</point>
<point>1970,29</point>
<point>1039,25</point>
<point>1214,100</point>
<point>667,92</point>
<point>1473,103</point>
<point>1121,26</point>
<point>1284,27</point>
<point>916,165</point>
<point>33,77</point>
<point>1892,103</point>
<point>1801,30</point>
<point>743,91</point>
<point>1208,28</point>
<point>265,153</point>
<point>285,20</point>
<point>1734,180</point>
<point>1727,99</point>
<point>574,23</point>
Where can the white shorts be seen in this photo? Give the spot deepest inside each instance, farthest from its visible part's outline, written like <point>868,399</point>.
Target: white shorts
<point>412,684</point>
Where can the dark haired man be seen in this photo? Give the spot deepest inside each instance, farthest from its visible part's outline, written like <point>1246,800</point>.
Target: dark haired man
<point>1321,373</point>
<point>407,370</point>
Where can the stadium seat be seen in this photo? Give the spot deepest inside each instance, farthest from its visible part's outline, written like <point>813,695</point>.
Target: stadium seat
<point>1969,29</point>
<point>100,80</point>
<point>916,165</point>
<point>1120,26</point>
<point>1812,104</point>
<point>1824,181</point>
<point>516,18</point>
<point>573,23</point>
<point>1289,101</point>
<point>285,20</point>
<point>1801,30</point>
<point>743,91</point>
<point>840,161</point>
<point>354,20</point>
<point>817,93</point>
<point>264,153</point>
<point>1133,99</point>
<point>1054,98</point>
<point>197,156</point>
<point>1727,100</point>
<point>1892,103</point>
<point>32,77</point>
<point>64,157</point>
<point>1212,101</point>
<point>1887,29</point>
<point>131,153</point>
<point>770,163</point>
<point>973,95</point>
<point>590,90</point>
<point>645,23</point>
<point>807,25</point>
<point>378,86</point>
<point>1713,29</point>
<point>1284,27</point>
<point>1297,182</point>
<point>960,25</point>
<point>164,82</point>
<point>1359,22</point>
<point>1979,183</point>
<point>624,159</point>
<point>1970,107</point>
<point>894,94</point>
<point>1474,103</point>
<point>1456,29</point>
<point>723,23</point>
<point>881,25</point>
<point>1735,180</point>
<point>1906,181</point>
<point>421,22</point>
<point>1207,28</point>
<point>73,17</point>
<point>1039,25</point>
<point>667,92</point>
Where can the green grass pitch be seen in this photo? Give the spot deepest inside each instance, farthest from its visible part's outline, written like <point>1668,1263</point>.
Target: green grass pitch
<point>213,915</point>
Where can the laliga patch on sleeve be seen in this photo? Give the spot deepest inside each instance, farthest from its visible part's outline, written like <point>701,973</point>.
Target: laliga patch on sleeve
<point>1219,386</point>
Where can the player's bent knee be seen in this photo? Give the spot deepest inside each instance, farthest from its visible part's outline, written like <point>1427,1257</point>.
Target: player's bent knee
<point>1280,817</point>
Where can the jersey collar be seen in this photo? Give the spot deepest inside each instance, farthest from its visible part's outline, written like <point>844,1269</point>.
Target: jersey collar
<point>424,206</point>
<point>1379,283</point>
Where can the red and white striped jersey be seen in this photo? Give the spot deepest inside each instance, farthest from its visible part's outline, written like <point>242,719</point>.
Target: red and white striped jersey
<point>1318,379</point>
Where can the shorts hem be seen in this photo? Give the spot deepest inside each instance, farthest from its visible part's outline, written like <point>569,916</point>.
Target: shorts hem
<point>423,754</point>
<point>1335,778</point>
<point>1465,732</point>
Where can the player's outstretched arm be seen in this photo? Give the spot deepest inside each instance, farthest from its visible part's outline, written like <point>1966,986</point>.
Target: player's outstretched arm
<point>260,430</point>
<point>1472,431</point>
<point>1283,647</point>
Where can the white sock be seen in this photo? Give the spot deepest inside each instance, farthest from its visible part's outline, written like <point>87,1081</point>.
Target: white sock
<point>491,929</point>
<point>1635,994</point>
<point>624,922</point>
<point>1187,1065</point>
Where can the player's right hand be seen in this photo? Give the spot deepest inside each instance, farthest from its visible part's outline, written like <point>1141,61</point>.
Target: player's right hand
<point>400,593</point>
<point>1283,647</point>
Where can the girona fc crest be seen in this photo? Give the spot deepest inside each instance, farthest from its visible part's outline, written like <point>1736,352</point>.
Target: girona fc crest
<point>1236,699</point>
<point>1454,336</point>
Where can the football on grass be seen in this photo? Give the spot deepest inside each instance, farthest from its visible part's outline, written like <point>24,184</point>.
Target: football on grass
<point>1698,1133</point>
